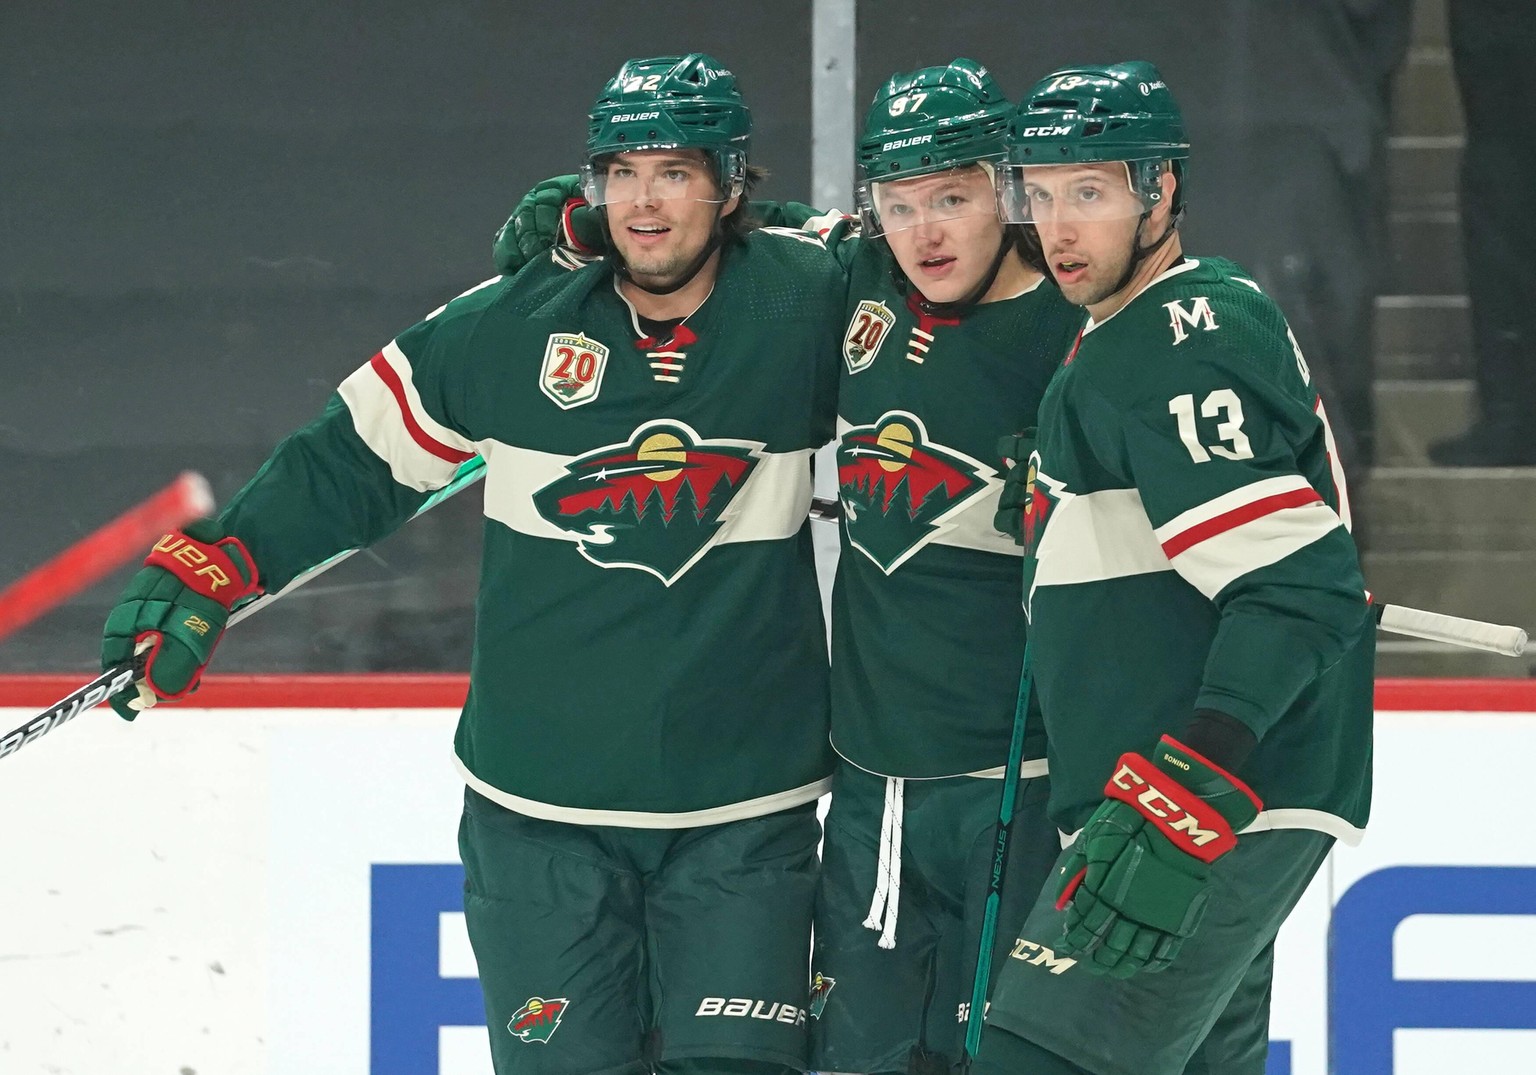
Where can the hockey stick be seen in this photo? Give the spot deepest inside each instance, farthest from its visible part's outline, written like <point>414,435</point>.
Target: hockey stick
<point>95,555</point>
<point>120,677</point>
<point>826,511</point>
<point>467,474</point>
<point>1452,630</point>
<point>1001,833</point>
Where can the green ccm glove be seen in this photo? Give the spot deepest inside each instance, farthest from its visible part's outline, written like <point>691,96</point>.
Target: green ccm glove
<point>552,214</point>
<point>1018,484</point>
<point>173,612</point>
<point>1135,884</point>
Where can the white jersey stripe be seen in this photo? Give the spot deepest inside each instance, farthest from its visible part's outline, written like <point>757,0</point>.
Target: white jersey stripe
<point>1302,818</point>
<point>639,819</point>
<point>1227,502</point>
<point>386,411</point>
<point>447,438</point>
<point>1090,537</point>
<point>1213,562</point>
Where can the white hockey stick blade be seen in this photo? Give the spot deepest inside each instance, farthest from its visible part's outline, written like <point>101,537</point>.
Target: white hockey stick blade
<point>1453,630</point>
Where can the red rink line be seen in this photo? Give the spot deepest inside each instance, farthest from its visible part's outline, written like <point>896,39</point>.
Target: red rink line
<point>1455,695</point>
<point>447,690</point>
<point>350,691</point>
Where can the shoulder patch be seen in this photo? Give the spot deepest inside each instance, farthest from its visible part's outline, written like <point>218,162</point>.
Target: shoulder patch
<point>572,371</point>
<point>1188,315</point>
<point>872,321</point>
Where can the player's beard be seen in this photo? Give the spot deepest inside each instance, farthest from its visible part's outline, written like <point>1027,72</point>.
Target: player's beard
<point>1104,284</point>
<point>660,267</point>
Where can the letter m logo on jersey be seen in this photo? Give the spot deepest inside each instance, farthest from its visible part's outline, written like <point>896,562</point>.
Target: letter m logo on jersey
<point>655,503</point>
<point>900,490</point>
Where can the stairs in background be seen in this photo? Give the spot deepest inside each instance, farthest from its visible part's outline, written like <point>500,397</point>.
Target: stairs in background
<point>1454,540</point>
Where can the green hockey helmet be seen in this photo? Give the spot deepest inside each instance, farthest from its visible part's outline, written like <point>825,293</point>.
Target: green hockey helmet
<point>670,102</point>
<point>1081,115</point>
<point>937,119</point>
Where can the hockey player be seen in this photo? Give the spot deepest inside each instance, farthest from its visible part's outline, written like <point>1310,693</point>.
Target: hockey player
<point>645,735</point>
<point>951,337</point>
<point>1199,628</point>
<point>950,340</point>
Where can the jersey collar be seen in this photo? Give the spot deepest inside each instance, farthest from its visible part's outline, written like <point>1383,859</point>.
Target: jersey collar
<point>1174,270</point>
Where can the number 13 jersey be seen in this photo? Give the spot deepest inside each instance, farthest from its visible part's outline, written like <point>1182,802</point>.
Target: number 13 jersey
<point>1187,532</point>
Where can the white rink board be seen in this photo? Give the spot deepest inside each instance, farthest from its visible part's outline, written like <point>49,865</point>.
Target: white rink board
<point>202,891</point>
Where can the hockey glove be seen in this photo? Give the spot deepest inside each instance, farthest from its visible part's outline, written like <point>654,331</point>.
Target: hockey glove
<point>1135,884</point>
<point>174,611</point>
<point>1017,488</point>
<point>552,214</point>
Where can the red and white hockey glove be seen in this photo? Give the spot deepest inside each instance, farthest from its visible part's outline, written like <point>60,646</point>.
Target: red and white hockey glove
<point>174,611</point>
<point>1135,885</point>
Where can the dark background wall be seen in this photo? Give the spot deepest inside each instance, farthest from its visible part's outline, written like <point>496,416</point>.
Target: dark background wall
<point>210,213</point>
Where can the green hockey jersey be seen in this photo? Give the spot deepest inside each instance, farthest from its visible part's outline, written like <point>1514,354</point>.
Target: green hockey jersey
<point>1188,529</point>
<point>927,628</point>
<point>649,647</point>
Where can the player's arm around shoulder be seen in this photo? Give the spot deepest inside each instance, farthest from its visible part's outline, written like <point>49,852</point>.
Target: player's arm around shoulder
<point>1231,456</point>
<point>835,231</point>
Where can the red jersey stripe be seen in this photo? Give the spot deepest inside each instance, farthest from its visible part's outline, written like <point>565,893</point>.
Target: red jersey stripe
<point>428,442</point>
<point>1245,513</point>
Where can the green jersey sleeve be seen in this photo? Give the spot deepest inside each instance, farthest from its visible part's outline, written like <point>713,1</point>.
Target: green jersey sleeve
<point>392,434</point>
<point>1226,448</point>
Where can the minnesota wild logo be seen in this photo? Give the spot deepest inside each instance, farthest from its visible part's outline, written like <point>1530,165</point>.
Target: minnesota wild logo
<point>900,490</point>
<point>1039,499</point>
<point>821,985</point>
<point>537,1020</point>
<point>655,503</point>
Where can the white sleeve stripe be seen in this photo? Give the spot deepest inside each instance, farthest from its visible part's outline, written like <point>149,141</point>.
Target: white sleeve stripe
<point>1212,564</point>
<point>428,425</point>
<point>380,424</point>
<point>1221,505</point>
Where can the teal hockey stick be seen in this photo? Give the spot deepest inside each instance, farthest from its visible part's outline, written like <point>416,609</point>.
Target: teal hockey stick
<point>467,474</point>
<point>1005,808</point>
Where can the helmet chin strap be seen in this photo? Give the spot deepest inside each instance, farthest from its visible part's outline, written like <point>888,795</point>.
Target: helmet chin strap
<point>620,268</point>
<point>1141,253</point>
<point>962,305</point>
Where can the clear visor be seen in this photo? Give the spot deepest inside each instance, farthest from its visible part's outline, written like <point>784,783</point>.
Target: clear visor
<point>893,205</point>
<point>1044,194</point>
<point>658,174</point>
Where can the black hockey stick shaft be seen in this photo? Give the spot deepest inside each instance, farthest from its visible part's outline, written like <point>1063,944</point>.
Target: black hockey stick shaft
<point>1001,834</point>
<point>88,696</point>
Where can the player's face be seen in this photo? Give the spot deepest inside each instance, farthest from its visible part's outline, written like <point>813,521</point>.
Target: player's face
<point>943,230</point>
<point>662,206</point>
<point>1086,216</point>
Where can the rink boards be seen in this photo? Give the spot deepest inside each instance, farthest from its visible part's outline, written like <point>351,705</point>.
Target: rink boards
<point>269,884</point>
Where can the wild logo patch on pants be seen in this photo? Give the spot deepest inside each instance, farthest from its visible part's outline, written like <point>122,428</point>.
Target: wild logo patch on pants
<point>538,1019</point>
<point>820,987</point>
